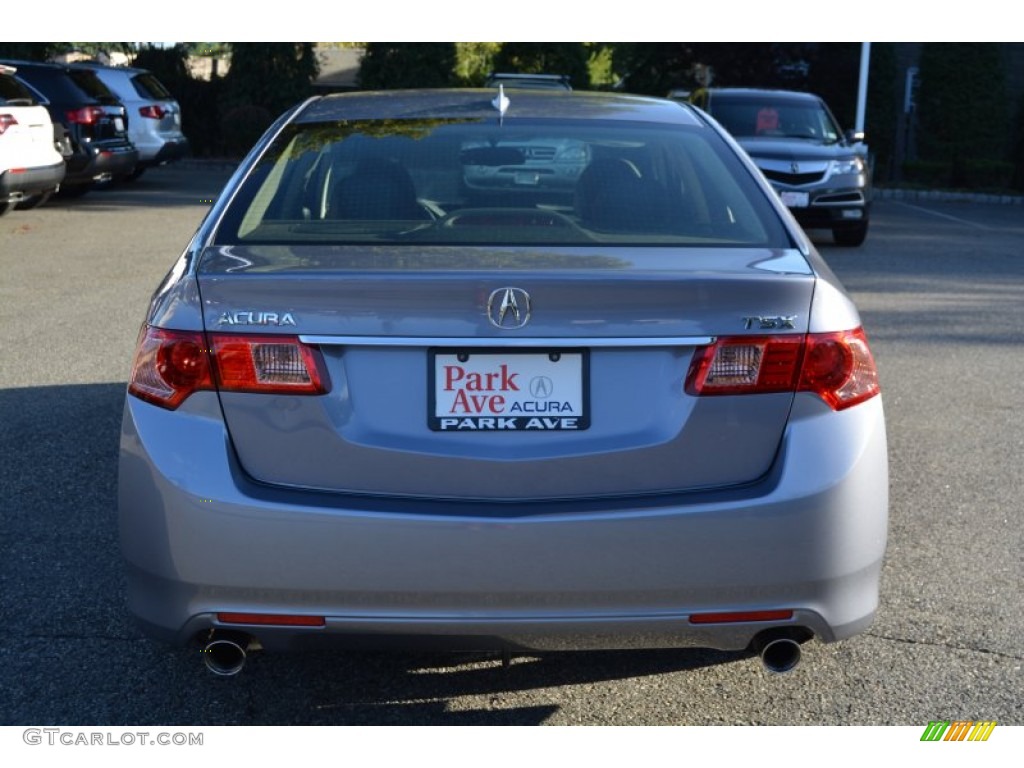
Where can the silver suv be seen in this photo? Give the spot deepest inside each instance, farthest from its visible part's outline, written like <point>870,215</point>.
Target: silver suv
<point>154,117</point>
<point>820,173</point>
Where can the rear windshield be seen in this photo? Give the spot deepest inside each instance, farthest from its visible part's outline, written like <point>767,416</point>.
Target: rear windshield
<point>14,94</point>
<point>148,87</point>
<point>92,86</point>
<point>479,182</point>
<point>776,119</point>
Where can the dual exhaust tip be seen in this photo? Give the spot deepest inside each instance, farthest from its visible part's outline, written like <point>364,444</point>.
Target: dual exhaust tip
<point>779,651</point>
<point>225,652</point>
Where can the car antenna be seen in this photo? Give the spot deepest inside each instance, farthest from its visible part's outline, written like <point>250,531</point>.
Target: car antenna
<point>500,103</point>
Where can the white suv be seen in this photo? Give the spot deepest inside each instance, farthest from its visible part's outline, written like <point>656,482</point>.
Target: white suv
<point>31,168</point>
<point>154,117</point>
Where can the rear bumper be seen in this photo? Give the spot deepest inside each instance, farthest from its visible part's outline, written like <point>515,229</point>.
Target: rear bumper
<point>99,162</point>
<point>14,185</point>
<point>200,538</point>
<point>165,151</point>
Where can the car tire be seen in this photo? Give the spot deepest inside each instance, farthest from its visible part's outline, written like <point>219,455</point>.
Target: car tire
<point>33,201</point>
<point>851,236</point>
<point>5,207</point>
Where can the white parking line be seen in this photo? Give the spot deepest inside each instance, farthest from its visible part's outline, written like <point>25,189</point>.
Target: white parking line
<point>944,215</point>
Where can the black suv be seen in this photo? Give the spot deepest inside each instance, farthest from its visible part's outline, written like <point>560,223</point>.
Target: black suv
<point>95,121</point>
<point>821,174</point>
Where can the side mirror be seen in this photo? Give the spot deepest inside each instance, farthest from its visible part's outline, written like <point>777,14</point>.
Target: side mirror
<point>855,137</point>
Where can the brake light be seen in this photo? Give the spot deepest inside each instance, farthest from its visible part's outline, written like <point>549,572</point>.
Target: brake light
<point>171,365</point>
<point>6,121</point>
<point>838,367</point>
<point>84,115</point>
<point>154,111</point>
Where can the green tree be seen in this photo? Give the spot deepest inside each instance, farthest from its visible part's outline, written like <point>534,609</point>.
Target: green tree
<point>274,76</point>
<point>474,62</point>
<point>962,113</point>
<point>46,51</point>
<point>201,101</point>
<point>657,68</point>
<point>408,65</point>
<point>265,79</point>
<point>570,59</point>
<point>1017,147</point>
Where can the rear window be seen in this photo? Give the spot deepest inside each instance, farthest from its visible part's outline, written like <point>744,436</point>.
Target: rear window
<point>148,87</point>
<point>776,119</point>
<point>479,182</point>
<point>14,94</point>
<point>88,82</point>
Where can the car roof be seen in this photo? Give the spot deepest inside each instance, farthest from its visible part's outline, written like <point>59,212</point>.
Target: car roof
<point>474,103</point>
<point>96,65</point>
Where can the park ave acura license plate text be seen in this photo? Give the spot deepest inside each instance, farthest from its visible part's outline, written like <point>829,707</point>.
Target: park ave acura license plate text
<point>535,390</point>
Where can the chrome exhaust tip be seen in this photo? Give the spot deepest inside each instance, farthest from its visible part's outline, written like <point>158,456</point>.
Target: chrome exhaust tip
<point>225,654</point>
<point>779,653</point>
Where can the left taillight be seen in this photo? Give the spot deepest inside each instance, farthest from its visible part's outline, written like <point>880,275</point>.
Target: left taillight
<point>171,365</point>
<point>6,121</point>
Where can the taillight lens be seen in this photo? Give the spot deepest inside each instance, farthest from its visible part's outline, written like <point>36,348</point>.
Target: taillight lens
<point>154,111</point>
<point>171,365</point>
<point>744,365</point>
<point>84,115</point>
<point>838,367</point>
<point>280,364</point>
<point>6,121</point>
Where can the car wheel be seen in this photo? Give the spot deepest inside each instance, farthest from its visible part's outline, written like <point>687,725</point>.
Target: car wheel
<point>33,201</point>
<point>851,235</point>
<point>5,207</point>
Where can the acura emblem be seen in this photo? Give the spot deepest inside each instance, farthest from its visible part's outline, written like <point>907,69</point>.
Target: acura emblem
<point>508,308</point>
<point>795,168</point>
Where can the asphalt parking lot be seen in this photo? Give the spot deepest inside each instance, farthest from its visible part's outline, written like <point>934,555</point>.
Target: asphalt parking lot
<point>940,287</point>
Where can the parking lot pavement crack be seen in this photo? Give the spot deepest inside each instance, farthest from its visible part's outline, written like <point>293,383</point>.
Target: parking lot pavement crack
<point>912,641</point>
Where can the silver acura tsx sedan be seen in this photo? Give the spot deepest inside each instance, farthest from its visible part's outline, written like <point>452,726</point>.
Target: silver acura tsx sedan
<point>515,370</point>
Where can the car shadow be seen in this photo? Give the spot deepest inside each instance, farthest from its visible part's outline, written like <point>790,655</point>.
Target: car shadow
<point>64,590</point>
<point>156,188</point>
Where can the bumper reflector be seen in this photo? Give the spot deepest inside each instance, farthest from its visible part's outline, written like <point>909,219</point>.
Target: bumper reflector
<point>736,617</point>
<point>271,619</point>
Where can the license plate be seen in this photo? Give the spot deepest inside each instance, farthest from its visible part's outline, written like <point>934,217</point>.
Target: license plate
<point>508,390</point>
<point>119,125</point>
<point>795,199</point>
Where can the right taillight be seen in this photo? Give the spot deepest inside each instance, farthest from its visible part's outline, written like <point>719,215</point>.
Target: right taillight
<point>838,367</point>
<point>171,365</point>
<point>153,111</point>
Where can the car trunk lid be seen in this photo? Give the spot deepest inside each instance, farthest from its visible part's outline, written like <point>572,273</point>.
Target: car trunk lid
<point>421,375</point>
